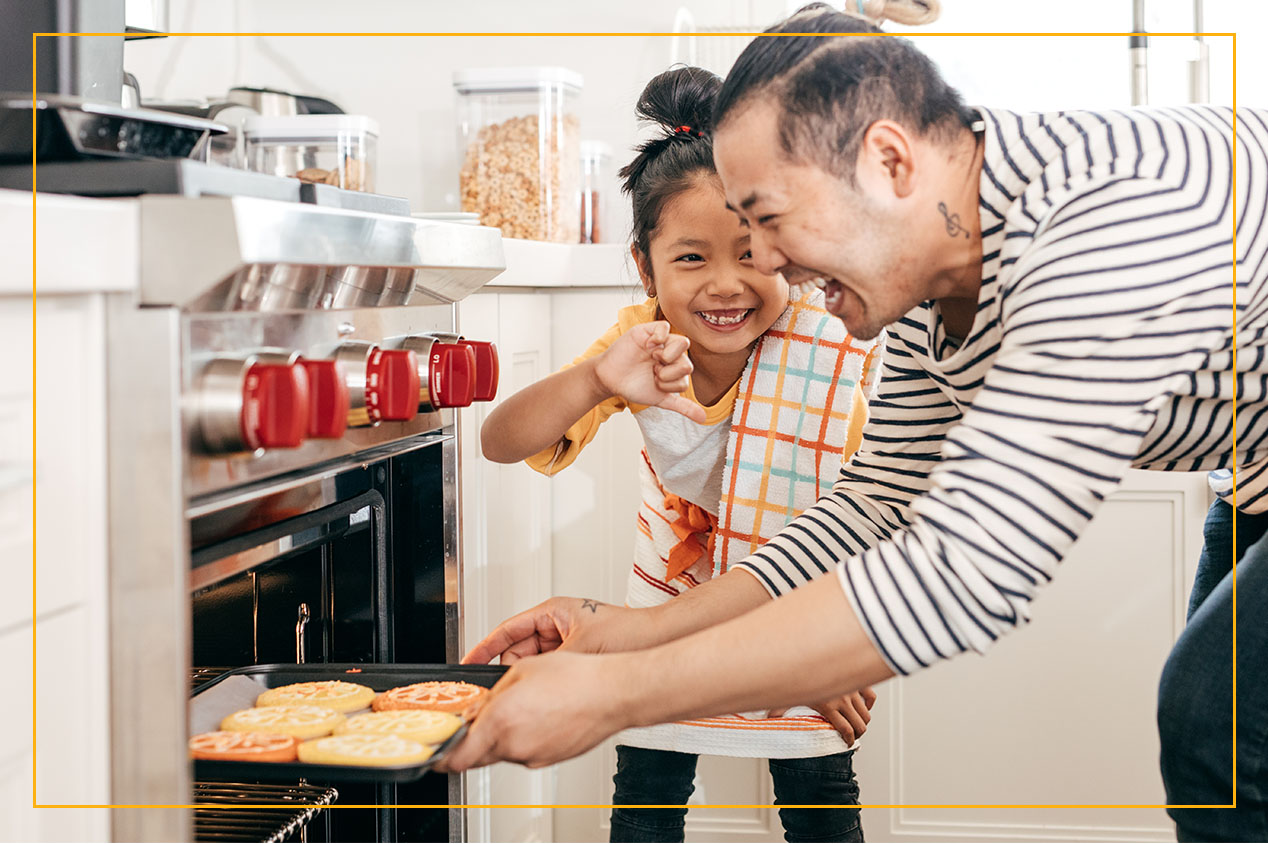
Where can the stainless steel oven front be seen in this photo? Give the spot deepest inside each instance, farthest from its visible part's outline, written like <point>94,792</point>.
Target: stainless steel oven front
<point>283,475</point>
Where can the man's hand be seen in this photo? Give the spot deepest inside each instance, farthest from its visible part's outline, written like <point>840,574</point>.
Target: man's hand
<point>542,711</point>
<point>648,365</point>
<point>577,624</point>
<point>849,714</point>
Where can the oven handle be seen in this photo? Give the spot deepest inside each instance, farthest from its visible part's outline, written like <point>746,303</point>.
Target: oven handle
<point>301,625</point>
<point>238,554</point>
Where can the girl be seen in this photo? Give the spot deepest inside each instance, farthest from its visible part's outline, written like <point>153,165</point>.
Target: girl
<point>744,399</point>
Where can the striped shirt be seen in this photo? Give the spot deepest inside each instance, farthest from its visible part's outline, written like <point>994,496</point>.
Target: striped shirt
<point>1103,340</point>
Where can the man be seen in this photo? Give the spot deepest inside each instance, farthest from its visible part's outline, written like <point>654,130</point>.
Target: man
<point>1058,292</point>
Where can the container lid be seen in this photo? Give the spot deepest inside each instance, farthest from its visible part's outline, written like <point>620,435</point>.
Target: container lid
<point>465,217</point>
<point>590,150</point>
<point>302,126</point>
<point>491,79</point>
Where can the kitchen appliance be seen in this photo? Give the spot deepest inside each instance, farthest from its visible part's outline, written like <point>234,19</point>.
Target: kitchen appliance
<point>271,102</point>
<point>89,67</point>
<point>71,128</point>
<point>283,481</point>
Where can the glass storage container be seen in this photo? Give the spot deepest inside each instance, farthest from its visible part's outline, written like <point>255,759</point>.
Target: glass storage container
<point>331,149</point>
<point>521,150</point>
<point>597,187</point>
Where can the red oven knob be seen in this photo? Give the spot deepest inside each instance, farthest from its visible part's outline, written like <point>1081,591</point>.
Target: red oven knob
<point>486,369</point>
<point>391,385</point>
<point>451,375</point>
<point>274,406</point>
<point>327,399</point>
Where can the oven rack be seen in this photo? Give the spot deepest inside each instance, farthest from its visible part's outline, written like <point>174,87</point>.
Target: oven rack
<point>222,812</point>
<point>198,675</point>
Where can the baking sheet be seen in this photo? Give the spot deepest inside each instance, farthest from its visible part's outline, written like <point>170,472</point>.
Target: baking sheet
<point>238,689</point>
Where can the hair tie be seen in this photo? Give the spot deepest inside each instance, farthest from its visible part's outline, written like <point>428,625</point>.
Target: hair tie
<point>687,130</point>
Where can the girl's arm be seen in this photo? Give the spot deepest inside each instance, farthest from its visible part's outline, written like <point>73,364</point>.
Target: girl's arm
<point>646,365</point>
<point>537,416</point>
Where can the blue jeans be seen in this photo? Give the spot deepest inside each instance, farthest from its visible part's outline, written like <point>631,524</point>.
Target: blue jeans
<point>667,778</point>
<point>1195,696</point>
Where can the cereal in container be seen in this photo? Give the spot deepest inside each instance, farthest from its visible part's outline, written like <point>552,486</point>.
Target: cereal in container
<point>521,150</point>
<point>331,149</point>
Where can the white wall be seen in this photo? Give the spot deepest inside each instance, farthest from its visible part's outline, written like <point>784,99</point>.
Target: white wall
<point>405,81</point>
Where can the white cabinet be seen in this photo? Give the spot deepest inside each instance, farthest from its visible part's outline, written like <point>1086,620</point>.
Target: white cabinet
<point>65,491</point>
<point>1060,712</point>
<point>506,542</point>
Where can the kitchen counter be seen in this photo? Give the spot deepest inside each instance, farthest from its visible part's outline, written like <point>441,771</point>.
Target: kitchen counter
<point>86,245</point>
<point>530,263</point>
<point>83,245</point>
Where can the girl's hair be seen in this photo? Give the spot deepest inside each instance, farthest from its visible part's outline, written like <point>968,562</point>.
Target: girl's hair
<point>681,102</point>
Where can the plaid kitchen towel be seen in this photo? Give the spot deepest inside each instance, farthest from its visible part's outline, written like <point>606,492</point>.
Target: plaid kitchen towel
<point>788,430</point>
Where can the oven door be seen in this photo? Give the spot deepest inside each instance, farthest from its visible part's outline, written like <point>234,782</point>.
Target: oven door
<point>356,563</point>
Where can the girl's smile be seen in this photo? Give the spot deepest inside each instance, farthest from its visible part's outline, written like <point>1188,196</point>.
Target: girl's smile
<point>702,275</point>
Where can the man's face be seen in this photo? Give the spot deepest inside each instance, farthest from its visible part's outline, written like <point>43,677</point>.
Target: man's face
<point>807,223</point>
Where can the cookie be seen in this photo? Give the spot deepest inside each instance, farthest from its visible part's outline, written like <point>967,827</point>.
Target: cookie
<point>332,694</point>
<point>440,695</point>
<point>364,749</point>
<point>303,722</point>
<point>244,747</point>
<point>422,725</point>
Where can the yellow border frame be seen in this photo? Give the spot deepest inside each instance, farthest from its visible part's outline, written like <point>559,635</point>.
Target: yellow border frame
<point>34,88</point>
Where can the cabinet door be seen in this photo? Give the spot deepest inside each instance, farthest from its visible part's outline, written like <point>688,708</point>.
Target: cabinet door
<point>71,766</point>
<point>70,451</point>
<point>16,466</point>
<point>506,542</point>
<point>1059,712</point>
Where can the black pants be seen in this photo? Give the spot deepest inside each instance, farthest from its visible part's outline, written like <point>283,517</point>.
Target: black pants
<point>663,777</point>
<point>1195,697</point>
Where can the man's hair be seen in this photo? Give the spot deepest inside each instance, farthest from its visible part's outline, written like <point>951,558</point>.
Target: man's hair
<point>830,88</point>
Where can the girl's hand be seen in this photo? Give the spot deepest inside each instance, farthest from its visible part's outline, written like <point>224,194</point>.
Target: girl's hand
<point>649,365</point>
<point>849,714</point>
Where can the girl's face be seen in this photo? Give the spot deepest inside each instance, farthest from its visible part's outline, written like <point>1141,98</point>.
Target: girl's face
<point>703,277</point>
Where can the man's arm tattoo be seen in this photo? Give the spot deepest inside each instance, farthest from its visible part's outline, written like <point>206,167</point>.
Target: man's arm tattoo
<point>592,606</point>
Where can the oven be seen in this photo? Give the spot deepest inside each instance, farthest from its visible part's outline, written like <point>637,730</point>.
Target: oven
<point>283,488</point>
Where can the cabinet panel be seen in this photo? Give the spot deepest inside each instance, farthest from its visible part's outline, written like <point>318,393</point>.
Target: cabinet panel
<point>506,543</point>
<point>1060,712</point>
<point>71,742</point>
<point>16,488</point>
<point>72,717</point>
<point>70,449</point>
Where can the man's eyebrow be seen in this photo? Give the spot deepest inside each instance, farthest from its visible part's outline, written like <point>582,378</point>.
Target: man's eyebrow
<point>745,204</point>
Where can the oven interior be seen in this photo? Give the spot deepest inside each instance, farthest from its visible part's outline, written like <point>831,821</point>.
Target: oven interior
<point>348,568</point>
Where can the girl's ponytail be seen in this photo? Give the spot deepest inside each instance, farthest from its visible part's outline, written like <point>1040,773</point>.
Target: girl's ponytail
<point>680,101</point>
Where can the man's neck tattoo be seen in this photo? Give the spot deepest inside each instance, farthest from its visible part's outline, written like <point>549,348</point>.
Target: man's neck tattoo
<point>954,229</point>
<point>592,606</point>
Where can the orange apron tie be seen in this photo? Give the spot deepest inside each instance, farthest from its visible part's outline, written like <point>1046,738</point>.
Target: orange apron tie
<point>693,520</point>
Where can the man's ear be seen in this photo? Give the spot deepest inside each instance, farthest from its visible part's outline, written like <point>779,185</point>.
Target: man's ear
<point>886,160</point>
<point>644,271</point>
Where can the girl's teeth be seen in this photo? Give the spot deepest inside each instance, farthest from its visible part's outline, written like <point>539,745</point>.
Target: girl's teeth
<point>715,319</point>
